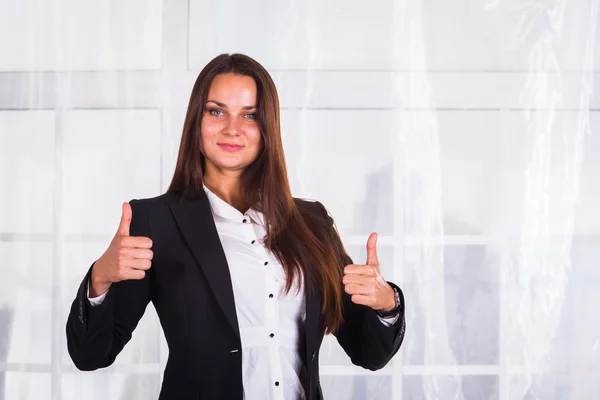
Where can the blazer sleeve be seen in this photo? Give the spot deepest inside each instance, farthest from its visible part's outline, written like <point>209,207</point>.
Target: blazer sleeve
<point>367,341</point>
<point>97,334</point>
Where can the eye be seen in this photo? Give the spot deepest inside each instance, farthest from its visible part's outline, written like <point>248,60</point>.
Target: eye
<point>251,116</point>
<point>215,112</point>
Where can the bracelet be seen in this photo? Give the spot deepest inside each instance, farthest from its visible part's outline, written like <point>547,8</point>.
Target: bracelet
<point>395,310</point>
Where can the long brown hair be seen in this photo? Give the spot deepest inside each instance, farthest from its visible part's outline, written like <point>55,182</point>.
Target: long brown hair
<point>297,235</point>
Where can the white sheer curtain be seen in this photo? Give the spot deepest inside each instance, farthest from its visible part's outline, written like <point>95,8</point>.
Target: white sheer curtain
<point>465,132</point>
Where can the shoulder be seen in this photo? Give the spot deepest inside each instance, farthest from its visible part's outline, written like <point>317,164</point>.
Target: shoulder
<point>153,208</point>
<point>154,216</point>
<point>314,207</point>
<point>158,201</point>
<point>310,205</point>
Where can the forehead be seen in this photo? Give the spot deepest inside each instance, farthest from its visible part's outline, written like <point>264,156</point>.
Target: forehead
<point>233,89</point>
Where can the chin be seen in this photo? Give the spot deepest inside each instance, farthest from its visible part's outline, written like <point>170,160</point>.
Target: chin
<point>231,166</point>
<point>229,162</point>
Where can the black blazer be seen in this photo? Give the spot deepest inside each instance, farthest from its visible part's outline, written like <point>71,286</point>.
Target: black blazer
<point>190,287</point>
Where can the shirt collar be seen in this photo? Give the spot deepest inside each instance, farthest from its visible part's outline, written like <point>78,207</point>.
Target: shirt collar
<point>226,211</point>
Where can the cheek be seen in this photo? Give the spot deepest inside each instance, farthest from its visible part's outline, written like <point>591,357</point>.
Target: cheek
<point>254,137</point>
<point>208,134</point>
<point>209,130</point>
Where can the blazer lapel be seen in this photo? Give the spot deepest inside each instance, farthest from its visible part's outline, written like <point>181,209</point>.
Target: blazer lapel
<point>197,226</point>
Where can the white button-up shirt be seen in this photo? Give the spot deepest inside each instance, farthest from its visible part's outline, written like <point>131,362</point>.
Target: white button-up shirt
<point>269,320</point>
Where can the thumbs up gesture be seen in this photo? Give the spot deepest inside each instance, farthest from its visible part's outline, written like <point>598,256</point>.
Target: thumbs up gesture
<point>127,257</point>
<point>365,283</point>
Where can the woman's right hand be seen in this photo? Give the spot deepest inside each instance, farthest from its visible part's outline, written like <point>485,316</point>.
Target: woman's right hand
<point>127,257</point>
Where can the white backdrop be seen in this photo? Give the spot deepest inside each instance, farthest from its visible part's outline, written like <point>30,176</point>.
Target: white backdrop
<point>465,132</point>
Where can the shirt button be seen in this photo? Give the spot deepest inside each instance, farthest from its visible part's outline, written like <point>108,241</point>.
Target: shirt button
<point>277,383</point>
<point>266,262</point>
<point>270,295</point>
<point>244,220</point>
<point>272,335</point>
<point>252,242</point>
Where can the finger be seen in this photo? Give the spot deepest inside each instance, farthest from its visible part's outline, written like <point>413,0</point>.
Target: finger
<point>357,279</point>
<point>357,289</point>
<point>372,250</point>
<point>367,270</point>
<point>135,253</point>
<point>134,274</point>
<point>362,299</point>
<point>138,242</point>
<point>127,265</point>
<point>125,220</point>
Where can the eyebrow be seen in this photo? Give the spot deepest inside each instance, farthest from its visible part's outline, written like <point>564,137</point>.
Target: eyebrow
<point>224,106</point>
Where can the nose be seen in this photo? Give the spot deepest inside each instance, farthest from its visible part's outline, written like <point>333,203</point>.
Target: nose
<point>232,128</point>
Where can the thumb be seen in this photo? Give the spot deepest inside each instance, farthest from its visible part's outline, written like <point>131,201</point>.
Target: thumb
<point>372,250</point>
<point>125,220</point>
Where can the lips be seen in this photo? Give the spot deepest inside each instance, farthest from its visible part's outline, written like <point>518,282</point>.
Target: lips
<point>230,147</point>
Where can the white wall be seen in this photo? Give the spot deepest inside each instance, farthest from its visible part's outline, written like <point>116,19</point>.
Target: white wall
<point>464,132</point>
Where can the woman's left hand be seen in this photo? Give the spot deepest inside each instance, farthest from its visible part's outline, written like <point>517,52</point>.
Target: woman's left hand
<point>365,283</point>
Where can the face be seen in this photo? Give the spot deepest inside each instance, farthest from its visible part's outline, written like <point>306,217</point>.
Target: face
<point>230,131</point>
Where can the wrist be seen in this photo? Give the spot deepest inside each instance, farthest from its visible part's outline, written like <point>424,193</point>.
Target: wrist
<point>98,289</point>
<point>394,306</point>
<point>97,284</point>
<point>391,303</point>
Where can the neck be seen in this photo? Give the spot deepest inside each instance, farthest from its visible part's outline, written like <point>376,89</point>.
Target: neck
<point>228,188</point>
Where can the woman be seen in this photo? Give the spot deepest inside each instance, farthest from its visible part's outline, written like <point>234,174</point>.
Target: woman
<point>245,278</point>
